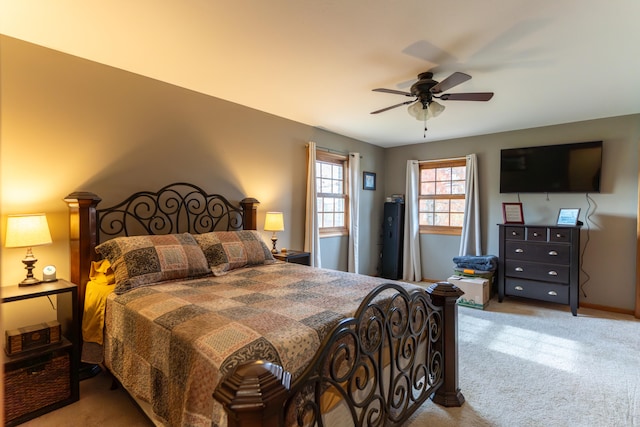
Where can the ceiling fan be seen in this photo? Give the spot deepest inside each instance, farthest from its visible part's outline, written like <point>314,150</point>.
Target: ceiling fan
<point>425,90</point>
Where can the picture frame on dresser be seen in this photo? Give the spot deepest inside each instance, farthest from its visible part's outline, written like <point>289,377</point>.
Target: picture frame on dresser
<point>512,213</point>
<point>568,216</point>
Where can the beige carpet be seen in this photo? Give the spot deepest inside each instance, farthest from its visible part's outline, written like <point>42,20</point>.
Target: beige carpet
<point>522,363</point>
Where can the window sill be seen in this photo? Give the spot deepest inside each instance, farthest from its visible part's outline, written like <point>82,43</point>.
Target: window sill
<point>333,234</point>
<point>442,231</point>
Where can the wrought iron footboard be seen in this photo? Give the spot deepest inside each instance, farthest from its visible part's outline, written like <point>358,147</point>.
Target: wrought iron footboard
<point>374,369</point>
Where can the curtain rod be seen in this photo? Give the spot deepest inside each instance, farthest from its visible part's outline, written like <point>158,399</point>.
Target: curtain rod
<point>442,160</point>
<point>331,150</point>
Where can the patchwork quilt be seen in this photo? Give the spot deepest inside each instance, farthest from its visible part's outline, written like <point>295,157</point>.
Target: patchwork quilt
<point>171,343</point>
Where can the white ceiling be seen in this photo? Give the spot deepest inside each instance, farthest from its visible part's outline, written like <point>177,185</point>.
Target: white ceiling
<point>316,61</point>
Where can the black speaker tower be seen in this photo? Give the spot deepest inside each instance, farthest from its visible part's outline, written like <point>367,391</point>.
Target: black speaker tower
<point>392,238</point>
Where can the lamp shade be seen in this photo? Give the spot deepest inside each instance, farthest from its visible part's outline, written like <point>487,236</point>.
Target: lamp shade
<point>27,230</point>
<point>274,221</point>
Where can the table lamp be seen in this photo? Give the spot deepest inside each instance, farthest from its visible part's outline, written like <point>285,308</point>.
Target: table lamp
<point>25,231</point>
<point>274,221</point>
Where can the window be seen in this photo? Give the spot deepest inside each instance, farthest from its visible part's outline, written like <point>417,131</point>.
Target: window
<point>442,196</point>
<point>331,172</point>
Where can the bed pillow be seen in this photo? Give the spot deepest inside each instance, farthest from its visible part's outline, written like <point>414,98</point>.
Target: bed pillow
<point>144,260</point>
<point>228,250</point>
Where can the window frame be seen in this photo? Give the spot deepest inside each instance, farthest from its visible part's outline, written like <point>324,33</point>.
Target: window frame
<point>435,164</point>
<point>343,160</point>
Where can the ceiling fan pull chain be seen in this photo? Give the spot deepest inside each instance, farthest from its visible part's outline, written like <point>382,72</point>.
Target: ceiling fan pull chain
<point>425,127</point>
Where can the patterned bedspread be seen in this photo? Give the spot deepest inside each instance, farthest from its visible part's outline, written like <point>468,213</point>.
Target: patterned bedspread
<point>170,344</point>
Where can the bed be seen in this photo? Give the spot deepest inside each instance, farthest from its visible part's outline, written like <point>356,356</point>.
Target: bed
<point>216,332</point>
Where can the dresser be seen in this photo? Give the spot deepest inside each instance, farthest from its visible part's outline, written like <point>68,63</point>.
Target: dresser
<point>540,262</point>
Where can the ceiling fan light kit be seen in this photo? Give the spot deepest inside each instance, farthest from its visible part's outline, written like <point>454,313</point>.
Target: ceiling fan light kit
<point>424,112</point>
<point>423,107</point>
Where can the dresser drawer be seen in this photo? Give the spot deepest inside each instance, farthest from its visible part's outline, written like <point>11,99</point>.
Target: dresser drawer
<point>537,271</point>
<point>514,233</point>
<point>551,292</point>
<point>537,234</point>
<point>560,234</point>
<point>538,252</point>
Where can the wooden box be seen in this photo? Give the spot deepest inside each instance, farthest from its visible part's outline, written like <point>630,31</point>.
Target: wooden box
<point>31,337</point>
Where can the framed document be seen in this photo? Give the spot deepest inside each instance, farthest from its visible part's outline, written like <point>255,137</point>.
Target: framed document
<point>568,216</point>
<point>512,213</point>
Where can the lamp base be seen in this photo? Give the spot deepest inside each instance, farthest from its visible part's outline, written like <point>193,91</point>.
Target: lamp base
<point>274,239</point>
<point>29,281</point>
<point>29,261</point>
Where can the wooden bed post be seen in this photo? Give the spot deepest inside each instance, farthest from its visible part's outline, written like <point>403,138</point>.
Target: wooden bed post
<point>445,295</point>
<point>250,213</point>
<point>82,239</point>
<point>253,394</point>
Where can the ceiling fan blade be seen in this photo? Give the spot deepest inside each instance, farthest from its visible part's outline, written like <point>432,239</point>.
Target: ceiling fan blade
<point>453,80</point>
<point>476,96</point>
<point>393,106</point>
<point>397,92</point>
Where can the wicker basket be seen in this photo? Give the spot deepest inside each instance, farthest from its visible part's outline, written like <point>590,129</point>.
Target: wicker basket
<point>36,383</point>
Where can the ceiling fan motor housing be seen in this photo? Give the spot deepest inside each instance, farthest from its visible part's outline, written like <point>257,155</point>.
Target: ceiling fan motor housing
<point>422,88</point>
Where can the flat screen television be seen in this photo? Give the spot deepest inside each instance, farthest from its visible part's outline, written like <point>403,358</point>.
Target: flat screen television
<point>562,168</point>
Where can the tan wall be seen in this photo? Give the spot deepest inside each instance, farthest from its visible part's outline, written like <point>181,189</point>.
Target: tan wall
<point>610,255</point>
<point>69,124</point>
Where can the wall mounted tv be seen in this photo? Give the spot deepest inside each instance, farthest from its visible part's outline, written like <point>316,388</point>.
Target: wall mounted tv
<point>562,168</point>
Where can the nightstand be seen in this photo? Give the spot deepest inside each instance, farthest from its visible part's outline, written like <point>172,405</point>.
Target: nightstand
<point>296,257</point>
<point>43,379</point>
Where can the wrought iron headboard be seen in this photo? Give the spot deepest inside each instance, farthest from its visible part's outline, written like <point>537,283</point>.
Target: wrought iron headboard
<point>175,208</point>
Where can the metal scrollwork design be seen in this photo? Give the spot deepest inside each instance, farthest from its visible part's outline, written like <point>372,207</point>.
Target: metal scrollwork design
<point>380,365</point>
<point>176,208</point>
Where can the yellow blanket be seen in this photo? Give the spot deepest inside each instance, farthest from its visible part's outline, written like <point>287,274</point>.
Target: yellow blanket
<point>100,285</point>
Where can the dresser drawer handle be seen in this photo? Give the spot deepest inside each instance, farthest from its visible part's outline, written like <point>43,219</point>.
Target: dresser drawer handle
<point>535,234</point>
<point>553,293</point>
<point>519,251</point>
<point>553,253</point>
<point>552,273</point>
<point>558,235</point>
<point>519,269</point>
<point>519,288</point>
<point>513,233</point>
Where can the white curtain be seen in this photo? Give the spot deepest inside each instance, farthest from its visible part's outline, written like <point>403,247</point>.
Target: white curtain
<point>354,197</point>
<point>470,238</point>
<point>311,232</point>
<point>411,264</point>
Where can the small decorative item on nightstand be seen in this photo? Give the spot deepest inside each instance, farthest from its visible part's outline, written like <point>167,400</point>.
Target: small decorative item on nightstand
<point>49,273</point>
